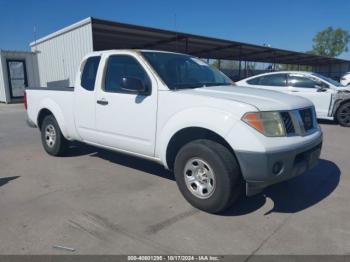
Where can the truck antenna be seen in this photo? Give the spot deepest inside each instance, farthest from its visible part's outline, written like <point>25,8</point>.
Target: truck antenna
<point>34,35</point>
<point>175,28</point>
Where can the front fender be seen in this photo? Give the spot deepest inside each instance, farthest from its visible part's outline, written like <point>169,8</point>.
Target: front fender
<point>215,120</point>
<point>337,100</point>
<point>53,107</point>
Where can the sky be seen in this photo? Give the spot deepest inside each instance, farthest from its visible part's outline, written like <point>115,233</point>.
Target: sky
<point>282,24</point>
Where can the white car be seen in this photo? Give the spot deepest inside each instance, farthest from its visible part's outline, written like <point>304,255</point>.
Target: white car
<point>178,111</point>
<point>331,99</point>
<point>345,79</point>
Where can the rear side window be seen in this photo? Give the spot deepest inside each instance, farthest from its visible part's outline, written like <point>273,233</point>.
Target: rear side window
<point>121,66</point>
<point>269,80</point>
<point>88,77</point>
<point>272,80</point>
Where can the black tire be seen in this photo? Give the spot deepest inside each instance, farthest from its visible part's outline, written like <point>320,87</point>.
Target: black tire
<point>60,144</point>
<point>343,114</point>
<point>228,178</point>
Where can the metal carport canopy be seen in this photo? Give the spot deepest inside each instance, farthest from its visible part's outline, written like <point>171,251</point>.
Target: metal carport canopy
<point>115,35</point>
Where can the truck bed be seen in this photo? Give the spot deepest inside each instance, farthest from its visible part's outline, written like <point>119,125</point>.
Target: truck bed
<point>58,100</point>
<point>63,88</point>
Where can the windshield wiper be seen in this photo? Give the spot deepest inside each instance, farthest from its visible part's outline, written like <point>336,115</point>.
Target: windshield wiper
<point>216,84</point>
<point>199,85</point>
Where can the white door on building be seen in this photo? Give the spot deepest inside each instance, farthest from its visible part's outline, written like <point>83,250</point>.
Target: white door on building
<point>17,77</point>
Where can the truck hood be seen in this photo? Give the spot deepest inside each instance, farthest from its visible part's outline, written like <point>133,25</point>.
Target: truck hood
<point>263,100</point>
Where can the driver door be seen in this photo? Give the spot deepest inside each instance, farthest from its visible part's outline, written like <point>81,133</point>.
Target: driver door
<point>318,92</point>
<point>126,120</point>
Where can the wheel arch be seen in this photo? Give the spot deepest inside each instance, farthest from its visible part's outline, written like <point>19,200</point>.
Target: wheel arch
<point>42,114</point>
<point>188,134</point>
<point>338,104</point>
<point>48,107</point>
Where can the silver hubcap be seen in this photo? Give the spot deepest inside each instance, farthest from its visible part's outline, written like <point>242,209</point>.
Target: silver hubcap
<point>199,178</point>
<point>50,135</point>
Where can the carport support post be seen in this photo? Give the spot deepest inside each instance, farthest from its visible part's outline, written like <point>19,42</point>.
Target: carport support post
<point>240,60</point>
<point>239,69</point>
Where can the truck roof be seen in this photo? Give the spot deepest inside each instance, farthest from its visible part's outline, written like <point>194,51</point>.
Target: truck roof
<point>111,51</point>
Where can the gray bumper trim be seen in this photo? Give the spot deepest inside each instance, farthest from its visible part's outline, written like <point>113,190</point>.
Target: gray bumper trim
<point>257,168</point>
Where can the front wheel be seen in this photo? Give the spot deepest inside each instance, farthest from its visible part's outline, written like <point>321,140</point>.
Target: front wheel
<point>208,175</point>
<point>52,139</point>
<point>343,114</point>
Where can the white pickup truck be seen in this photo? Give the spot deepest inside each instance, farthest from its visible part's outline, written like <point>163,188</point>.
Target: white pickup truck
<point>175,109</point>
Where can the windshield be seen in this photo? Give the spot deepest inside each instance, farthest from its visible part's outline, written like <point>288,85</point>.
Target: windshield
<point>327,79</point>
<point>182,71</point>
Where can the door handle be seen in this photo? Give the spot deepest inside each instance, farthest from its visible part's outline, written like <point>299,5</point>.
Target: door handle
<point>102,102</point>
<point>295,91</point>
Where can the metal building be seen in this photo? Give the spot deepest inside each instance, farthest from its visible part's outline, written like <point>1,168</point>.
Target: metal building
<point>60,53</point>
<point>18,70</point>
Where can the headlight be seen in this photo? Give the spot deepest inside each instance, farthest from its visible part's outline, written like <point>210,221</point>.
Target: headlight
<point>267,123</point>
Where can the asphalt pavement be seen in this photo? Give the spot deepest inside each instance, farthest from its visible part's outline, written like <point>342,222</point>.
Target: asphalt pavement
<point>99,202</point>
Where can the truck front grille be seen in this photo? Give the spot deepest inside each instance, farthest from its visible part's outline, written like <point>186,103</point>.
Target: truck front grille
<point>299,122</point>
<point>288,123</point>
<point>306,116</point>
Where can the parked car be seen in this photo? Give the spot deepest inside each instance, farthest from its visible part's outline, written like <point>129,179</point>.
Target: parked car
<point>331,99</point>
<point>176,110</point>
<point>345,79</point>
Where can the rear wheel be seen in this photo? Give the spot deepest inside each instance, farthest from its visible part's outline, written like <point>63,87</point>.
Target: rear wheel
<point>52,139</point>
<point>343,114</point>
<point>208,175</point>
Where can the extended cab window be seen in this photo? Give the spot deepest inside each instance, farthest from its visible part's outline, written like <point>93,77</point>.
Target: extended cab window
<point>88,77</point>
<point>270,80</point>
<point>121,66</point>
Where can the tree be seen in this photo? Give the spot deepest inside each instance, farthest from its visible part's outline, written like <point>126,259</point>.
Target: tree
<point>331,42</point>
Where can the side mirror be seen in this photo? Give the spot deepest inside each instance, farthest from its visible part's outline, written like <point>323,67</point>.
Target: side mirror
<point>134,85</point>
<point>320,88</point>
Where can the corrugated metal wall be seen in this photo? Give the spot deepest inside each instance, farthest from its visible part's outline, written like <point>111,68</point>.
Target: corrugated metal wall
<point>31,68</point>
<point>59,56</point>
